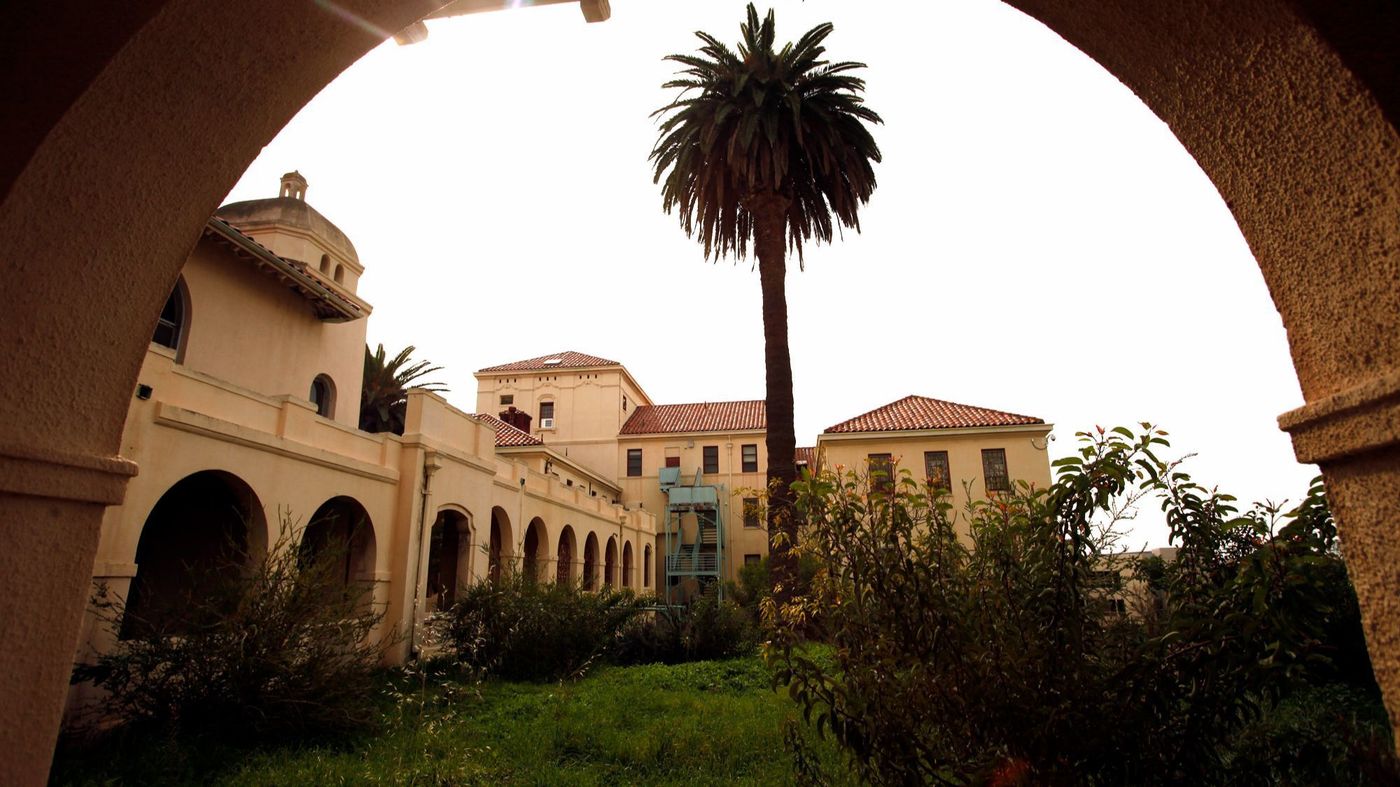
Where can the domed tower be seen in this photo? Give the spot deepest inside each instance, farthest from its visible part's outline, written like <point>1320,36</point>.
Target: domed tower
<point>291,228</point>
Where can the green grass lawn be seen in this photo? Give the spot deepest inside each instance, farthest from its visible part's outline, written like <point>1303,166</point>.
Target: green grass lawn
<point>702,723</point>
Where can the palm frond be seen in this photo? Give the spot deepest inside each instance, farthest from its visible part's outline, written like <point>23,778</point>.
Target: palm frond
<point>751,121</point>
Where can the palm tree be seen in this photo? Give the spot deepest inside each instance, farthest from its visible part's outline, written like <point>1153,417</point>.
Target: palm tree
<point>766,146</point>
<point>384,397</point>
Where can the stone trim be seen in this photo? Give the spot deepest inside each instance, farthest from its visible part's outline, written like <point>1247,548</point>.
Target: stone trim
<point>87,478</point>
<point>1363,418</point>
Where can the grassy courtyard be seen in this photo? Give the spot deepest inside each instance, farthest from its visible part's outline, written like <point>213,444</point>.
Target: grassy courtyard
<point>701,723</point>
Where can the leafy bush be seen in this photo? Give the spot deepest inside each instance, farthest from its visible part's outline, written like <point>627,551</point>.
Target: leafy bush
<point>1330,734</point>
<point>281,650</point>
<point>707,628</point>
<point>986,654</point>
<point>521,629</point>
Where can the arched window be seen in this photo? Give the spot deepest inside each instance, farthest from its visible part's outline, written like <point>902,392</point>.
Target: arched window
<point>323,396</point>
<point>170,328</point>
<point>325,264</point>
<point>340,274</point>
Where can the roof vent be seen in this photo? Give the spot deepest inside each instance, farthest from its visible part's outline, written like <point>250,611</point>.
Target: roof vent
<point>553,361</point>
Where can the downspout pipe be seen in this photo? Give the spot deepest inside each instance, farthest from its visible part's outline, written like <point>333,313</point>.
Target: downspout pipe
<point>430,466</point>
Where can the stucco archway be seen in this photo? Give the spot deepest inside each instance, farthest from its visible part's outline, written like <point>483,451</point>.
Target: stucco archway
<point>500,549</point>
<point>535,551</point>
<point>1290,107</point>
<point>449,556</point>
<point>202,532</point>
<point>341,530</point>
<point>590,562</point>
<point>568,552</point>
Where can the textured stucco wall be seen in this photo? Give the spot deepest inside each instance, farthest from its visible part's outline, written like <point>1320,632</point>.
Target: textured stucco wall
<point>136,121</point>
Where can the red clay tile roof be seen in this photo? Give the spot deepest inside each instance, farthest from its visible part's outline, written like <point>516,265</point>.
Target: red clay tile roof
<point>920,412</point>
<point>328,304</point>
<point>507,435</point>
<point>806,456</point>
<point>698,417</point>
<point>566,360</point>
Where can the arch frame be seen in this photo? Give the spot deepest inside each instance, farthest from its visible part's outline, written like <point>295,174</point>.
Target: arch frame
<point>1271,97</point>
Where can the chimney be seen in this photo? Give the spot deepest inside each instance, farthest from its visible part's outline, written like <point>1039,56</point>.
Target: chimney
<point>516,418</point>
<point>294,186</point>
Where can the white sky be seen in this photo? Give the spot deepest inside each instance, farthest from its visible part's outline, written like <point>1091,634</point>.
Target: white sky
<point>1039,241</point>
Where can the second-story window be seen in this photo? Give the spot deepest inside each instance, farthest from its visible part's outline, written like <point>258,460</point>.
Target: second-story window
<point>749,457</point>
<point>507,399</point>
<point>323,396</point>
<point>881,472</point>
<point>994,470</point>
<point>711,459</point>
<point>936,470</point>
<point>546,415</point>
<point>170,327</point>
<point>634,462</point>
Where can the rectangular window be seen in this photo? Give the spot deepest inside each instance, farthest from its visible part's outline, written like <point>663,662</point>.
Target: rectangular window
<point>752,560</point>
<point>749,453</point>
<point>994,470</point>
<point>711,453</point>
<point>634,462</point>
<point>507,399</point>
<point>751,512</point>
<point>936,470</point>
<point>881,468</point>
<point>546,410</point>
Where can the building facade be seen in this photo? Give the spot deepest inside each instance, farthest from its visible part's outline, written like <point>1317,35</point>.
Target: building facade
<point>245,422</point>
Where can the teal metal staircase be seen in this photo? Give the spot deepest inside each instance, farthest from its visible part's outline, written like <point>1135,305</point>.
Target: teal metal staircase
<point>694,534</point>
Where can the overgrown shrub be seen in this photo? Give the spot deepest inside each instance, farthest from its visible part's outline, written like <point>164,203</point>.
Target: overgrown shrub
<point>706,628</point>
<point>281,650</point>
<point>521,629</point>
<point>989,654</point>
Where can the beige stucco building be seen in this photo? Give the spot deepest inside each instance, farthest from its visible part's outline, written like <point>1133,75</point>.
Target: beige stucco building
<point>245,422</point>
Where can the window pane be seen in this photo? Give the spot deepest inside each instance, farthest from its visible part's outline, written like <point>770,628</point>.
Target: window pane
<point>751,512</point>
<point>711,459</point>
<point>994,470</point>
<point>881,468</point>
<point>634,461</point>
<point>546,410</point>
<point>507,398</point>
<point>750,458</point>
<point>168,326</point>
<point>936,470</point>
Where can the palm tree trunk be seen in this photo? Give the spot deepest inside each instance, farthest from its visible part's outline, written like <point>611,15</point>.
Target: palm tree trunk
<point>769,212</point>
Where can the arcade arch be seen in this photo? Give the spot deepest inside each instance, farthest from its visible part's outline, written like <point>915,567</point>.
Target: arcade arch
<point>610,563</point>
<point>590,562</point>
<point>500,550</point>
<point>449,557</point>
<point>341,531</point>
<point>1307,166</point>
<point>203,531</point>
<point>565,556</point>
<point>535,554</point>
